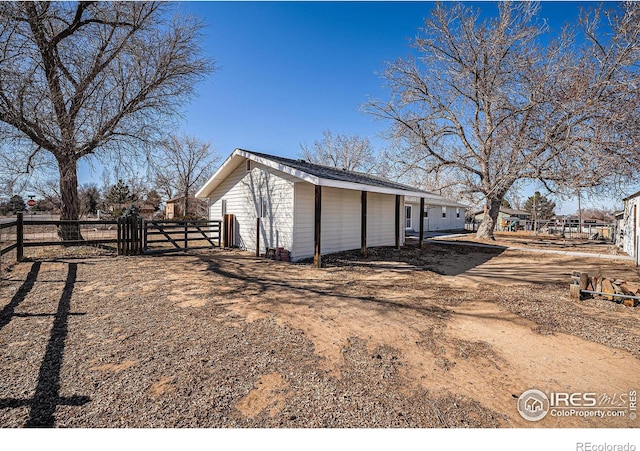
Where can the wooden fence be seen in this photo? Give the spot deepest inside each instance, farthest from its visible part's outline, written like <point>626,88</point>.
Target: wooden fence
<point>129,234</point>
<point>10,242</point>
<point>176,235</point>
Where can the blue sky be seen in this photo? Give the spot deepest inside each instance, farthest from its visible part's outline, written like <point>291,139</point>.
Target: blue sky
<point>289,70</point>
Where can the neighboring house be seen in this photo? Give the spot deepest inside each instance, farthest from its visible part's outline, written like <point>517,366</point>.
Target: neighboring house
<point>175,207</point>
<point>147,211</point>
<point>631,226</point>
<point>305,208</point>
<point>439,214</point>
<point>506,217</point>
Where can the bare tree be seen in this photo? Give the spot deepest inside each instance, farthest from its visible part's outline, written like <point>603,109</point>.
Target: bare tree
<point>484,100</point>
<point>91,78</point>
<point>183,163</point>
<point>49,190</point>
<point>348,152</point>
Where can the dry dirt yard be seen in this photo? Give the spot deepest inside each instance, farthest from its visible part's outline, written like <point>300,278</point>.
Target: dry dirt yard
<point>449,336</point>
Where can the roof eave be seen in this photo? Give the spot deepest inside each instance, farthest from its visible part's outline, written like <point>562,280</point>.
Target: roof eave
<point>231,163</point>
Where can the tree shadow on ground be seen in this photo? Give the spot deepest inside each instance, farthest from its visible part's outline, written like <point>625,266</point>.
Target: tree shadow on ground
<point>250,280</point>
<point>435,257</point>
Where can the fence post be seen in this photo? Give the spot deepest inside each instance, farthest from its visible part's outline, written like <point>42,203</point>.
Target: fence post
<point>143,230</point>
<point>127,236</point>
<point>20,236</point>
<point>226,219</point>
<point>134,230</point>
<point>186,234</point>
<point>119,237</point>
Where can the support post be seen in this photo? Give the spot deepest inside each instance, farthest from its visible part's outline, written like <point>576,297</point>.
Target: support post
<point>317,233</point>
<point>258,237</point>
<point>20,236</point>
<point>421,221</point>
<point>397,221</point>
<point>363,223</point>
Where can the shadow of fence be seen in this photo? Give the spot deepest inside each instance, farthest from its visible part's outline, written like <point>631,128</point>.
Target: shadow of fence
<point>47,397</point>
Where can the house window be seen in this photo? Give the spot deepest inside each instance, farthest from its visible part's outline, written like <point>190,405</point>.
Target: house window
<point>444,212</point>
<point>457,212</point>
<point>426,212</point>
<point>263,206</point>
<point>407,212</point>
<point>248,165</point>
<point>224,207</point>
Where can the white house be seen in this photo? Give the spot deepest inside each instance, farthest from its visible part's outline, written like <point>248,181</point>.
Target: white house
<point>631,226</point>
<point>439,214</point>
<point>308,209</point>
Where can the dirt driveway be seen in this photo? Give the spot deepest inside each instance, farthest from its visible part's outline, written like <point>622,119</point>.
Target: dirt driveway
<point>445,337</point>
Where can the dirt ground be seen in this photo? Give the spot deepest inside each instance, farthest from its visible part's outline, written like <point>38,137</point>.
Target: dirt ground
<point>542,241</point>
<point>449,336</point>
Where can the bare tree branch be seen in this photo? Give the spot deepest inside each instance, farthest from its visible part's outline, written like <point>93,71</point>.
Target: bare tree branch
<point>182,163</point>
<point>484,101</point>
<point>349,152</point>
<point>93,78</point>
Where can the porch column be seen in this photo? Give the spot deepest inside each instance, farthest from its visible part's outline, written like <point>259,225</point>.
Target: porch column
<point>397,221</point>
<point>363,223</point>
<point>316,227</point>
<point>421,221</point>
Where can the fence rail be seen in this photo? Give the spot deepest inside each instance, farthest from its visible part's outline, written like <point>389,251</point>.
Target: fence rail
<point>130,235</point>
<point>22,233</point>
<point>7,236</point>
<point>171,235</point>
<point>600,231</point>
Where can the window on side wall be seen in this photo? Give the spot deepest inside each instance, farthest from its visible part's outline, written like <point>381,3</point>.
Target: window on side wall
<point>224,207</point>
<point>444,212</point>
<point>263,206</point>
<point>457,212</point>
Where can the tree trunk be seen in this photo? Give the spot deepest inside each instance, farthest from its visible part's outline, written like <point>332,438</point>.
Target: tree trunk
<point>70,208</point>
<point>485,231</point>
<point>186,204</point>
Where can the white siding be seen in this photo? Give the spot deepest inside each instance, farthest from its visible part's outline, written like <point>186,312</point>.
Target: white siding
<point>631,227</point>
<point>381,220</point>
<point>434,221</point>
<point>243,192</point>
<point>293,228</point>
<point>340,224</point>
<point>304,201</point>
<point>341,220</point>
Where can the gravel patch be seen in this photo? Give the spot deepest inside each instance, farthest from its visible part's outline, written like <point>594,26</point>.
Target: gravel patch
<point>100,342</point>
<point>206,340</point>
<point>595,320</point>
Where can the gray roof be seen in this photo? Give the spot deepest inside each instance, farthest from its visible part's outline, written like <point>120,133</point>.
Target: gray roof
<point>319,175</point>
<point>343,175</point>
<point>631,196</point>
